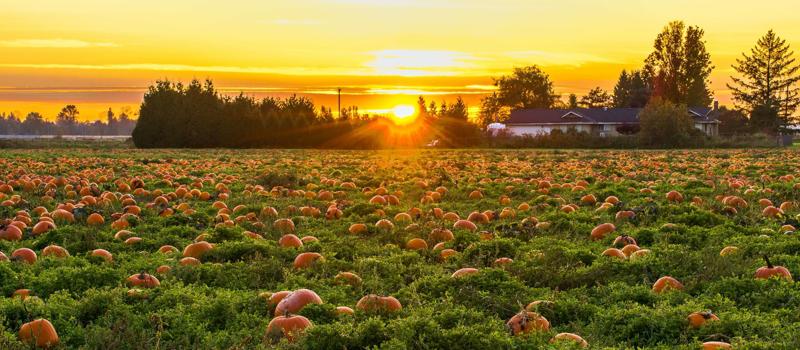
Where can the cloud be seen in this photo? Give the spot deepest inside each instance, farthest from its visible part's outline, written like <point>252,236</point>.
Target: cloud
<point>53,43</point>
<point>420,62</point>
<point>294,22</point>
<point>547,58</point>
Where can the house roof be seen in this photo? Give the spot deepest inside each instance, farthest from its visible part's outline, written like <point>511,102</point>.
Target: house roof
<point>593,115</point>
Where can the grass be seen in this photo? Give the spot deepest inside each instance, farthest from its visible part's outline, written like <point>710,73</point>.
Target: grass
<point>222,303</point>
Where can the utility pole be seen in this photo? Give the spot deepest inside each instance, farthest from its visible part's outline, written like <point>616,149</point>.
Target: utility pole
<point>339,112</point>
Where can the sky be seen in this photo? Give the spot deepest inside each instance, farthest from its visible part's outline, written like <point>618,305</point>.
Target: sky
<point>104,54</point>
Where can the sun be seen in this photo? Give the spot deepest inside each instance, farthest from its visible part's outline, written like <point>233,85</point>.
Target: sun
<point>403,114</point>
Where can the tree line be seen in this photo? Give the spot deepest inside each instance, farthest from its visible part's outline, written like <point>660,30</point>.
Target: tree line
<point>66,123</point>
<point>196,115</point>
<point>676,73</point>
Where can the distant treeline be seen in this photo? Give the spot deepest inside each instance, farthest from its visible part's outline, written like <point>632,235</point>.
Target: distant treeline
<point>66,123</point>
<point>197,116</point>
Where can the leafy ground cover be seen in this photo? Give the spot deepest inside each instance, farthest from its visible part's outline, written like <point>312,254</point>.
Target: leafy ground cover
<point>165,249</point>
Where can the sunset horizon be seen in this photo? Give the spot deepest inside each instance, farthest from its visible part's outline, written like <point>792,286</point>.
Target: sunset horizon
<point>100,55</point>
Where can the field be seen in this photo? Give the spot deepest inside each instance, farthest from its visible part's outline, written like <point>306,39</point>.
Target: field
<point>192,249</point>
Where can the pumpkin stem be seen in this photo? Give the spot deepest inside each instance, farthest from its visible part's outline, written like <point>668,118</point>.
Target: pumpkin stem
<point>769,264</point>
<point>142,275</point>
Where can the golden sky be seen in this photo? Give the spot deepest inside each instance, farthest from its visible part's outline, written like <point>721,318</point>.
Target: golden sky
<point>100,54</point>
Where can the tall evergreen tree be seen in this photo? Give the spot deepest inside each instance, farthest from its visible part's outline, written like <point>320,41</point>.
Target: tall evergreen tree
<point>767,86</point>
<point>633,90</point>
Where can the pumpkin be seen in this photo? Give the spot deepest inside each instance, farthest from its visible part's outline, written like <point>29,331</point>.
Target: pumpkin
<point>344,310</point>
<point>42,227</point>
<point>502,261</point>
<point>376,303</point>
<point>288,326</point>
<point>465,272</point>
<point>771,212</point>
<point>10,233</point>
<point>416,244</point>
<point>189,261</point>
<point>665,284</point>
<point>728,251</point>
<point>698,319</point>
<point>24,255</point>
<point>347,278</point>
<point>21,293</point>
<point>296,301</point>
<point>357,229</point>
<point>674,196</point>
<point>465,225</point>
<point>441,235</point>
<point>614,252</point>
<point>769,271</point>
<point>527,321</point>
<point>95,219</point>
<point>290,241</point>
<point>624,240</point>
<point>274,298</point>
<point>197,249</point>
<point>602,230</point>
<point>305,260</point>
<point>570,337</point>
<point>39,332</point>
<point>167,249</point>
<point>446,253</point>
<point>630,249</point>
<point>384,225</point>
<point>55,251</point>
<point>3,257</point>
<point>716,345</point>
<point>284,225</point>
<point>143,280</point>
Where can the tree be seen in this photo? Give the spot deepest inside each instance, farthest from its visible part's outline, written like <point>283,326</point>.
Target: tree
<point>596,98</point>
<point>34,124</point>
<point>453,127</point>
<point>633,90</point>
<point>766,88</point>
<point>732,122</point>
<point>572,101</point>
<point>527,87</point>
<point>681,65</point>
<point>665,124</point>
<point>67,119</point>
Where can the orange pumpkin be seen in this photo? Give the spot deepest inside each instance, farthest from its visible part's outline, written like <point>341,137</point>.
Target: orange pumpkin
<point>290,241</point>
<point>24,255</point>
<point>39,332</point>
<point>769,271</point>
<point>465,272</point>
<point>417,244</point>
<point>197,249</point>
<point>698,319</point>
<point>143,280</point>
<point>308,259</point>
<point>526,321</point>
<point>376,303</point>
<point>665,284</point>
<point>614,252</point>
<point>289,326</point>
<point>347,278</point>
<point>602,230</point>
<point>716,345</point>
<point>570,337</point>
<point>55,251</point>
<point>296,301</point>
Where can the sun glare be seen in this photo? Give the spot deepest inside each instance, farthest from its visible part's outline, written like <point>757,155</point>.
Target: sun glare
<point>403,114</point>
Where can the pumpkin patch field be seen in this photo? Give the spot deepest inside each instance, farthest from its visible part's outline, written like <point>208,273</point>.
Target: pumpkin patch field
<point>411,249</point>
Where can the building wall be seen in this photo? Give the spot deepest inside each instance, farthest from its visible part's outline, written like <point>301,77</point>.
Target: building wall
<point>533,130</point>
<point>710,129</point>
